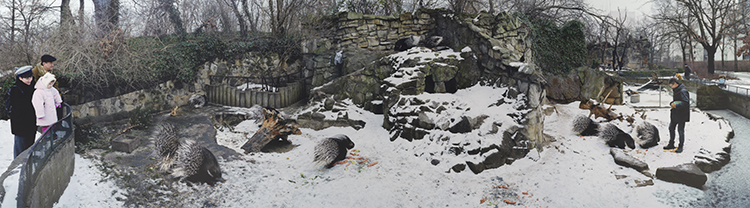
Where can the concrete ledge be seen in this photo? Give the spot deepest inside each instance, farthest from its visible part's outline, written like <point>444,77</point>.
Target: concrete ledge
<point>53,177</point>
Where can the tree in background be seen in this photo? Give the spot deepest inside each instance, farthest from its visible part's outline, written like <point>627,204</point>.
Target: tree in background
<point>711,24</point>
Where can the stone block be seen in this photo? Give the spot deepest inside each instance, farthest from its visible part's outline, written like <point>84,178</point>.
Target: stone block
<point>125,143</point>
<point>688,174</point>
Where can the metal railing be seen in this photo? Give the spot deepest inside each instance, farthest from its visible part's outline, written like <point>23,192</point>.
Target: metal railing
<point>39,153</point>
<point>727,87</point>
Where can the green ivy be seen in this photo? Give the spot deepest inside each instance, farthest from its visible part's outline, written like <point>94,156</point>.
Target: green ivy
<point>5,84</point>
<point>558,50</point>
<point>140,118</point>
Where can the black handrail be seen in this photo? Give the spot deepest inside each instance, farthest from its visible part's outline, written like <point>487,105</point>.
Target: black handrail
<point>39,153</point>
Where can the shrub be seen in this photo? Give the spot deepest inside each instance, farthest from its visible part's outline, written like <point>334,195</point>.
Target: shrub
<point>140,118</point>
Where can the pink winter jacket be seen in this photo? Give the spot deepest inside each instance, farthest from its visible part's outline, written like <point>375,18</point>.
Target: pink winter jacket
<point>45,101</point>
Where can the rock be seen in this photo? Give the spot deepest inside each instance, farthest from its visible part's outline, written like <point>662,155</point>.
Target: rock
<point>406,43</point>
<point>318,116</point>
<point>623,159</point>
<point>459,167</point>
<point>328,103</point>
<point>688,174</point>
<point>566,90</point>
<point>463,126</point>
<point>424,121</point>
<point>709,162</point>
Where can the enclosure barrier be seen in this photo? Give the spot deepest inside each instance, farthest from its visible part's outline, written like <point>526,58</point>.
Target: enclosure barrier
<point>50,164</point>
<point>227,93</point>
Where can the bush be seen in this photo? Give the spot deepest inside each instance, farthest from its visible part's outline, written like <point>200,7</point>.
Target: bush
<point>89,136</point>
<point>140,118</point>
<point>5,84</point>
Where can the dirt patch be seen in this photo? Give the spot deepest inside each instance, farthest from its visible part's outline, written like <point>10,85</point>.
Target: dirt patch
<point>137,173</point>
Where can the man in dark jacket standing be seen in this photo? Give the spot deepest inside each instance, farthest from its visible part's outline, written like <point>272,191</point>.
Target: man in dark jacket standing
<point>688,70</point>
<point>680,113</point>
<point>22,116</point>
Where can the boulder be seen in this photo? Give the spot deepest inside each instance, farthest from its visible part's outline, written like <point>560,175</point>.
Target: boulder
<point>688,174</point>
<point>463,126</point>
<point>708,161</point>
<point>623,159</point>
<point>566,90</point>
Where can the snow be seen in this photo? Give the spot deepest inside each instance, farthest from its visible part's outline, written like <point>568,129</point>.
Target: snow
<point>575,171</point>
<point>572,171</point>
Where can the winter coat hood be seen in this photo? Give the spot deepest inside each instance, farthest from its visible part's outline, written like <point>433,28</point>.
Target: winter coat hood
<point>45,80</point>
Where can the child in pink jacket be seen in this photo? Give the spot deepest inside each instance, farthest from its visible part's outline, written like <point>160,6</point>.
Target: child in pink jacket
<point>46,98</point>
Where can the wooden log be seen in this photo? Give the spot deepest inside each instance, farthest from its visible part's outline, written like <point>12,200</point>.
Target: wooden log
<point>273,127</point>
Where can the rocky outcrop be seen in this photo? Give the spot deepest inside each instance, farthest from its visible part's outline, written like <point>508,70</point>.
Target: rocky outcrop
<point>624,159</point>
<point>709,161</point>
<point>688,174</point>
<point>584,84</point>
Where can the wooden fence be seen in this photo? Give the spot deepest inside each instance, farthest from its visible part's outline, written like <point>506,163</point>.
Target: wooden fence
<point>225,94</point>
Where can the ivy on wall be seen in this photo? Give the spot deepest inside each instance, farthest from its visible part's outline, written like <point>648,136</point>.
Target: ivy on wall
<point>558,50</point>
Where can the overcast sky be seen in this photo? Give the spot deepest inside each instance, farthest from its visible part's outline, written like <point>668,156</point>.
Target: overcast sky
<point>637,9</point>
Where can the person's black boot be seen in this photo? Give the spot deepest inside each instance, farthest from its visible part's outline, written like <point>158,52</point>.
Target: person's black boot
<point>670,146</point>
<point>679,149</point>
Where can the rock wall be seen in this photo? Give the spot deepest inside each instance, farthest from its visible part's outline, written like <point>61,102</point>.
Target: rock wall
<point>162,97</point>
<point>486,49</point>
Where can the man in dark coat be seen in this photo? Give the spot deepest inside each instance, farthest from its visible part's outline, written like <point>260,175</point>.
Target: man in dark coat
<point>688,70</point>
<point>680,113</point>
<point>22,116</point>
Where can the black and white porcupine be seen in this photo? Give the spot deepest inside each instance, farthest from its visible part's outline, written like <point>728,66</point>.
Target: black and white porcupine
<point>331,150</point>
<point>615,137</point>
<point>584,126</point>
<point>647,134</point>
<point>166,146</point>
<point>196,164</point>
<point>198,101</point>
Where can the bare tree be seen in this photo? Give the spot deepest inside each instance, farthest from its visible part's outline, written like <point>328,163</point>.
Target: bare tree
<point>712,20</point>
<point>106,14</point>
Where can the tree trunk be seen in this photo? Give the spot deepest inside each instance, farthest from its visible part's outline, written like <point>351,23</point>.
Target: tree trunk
<point>66,16</point>
<point>101,15</point>
<point>711,52</point>
<point>247,14</point>
<point>174,16</point>
<point>80,12</point>
<point>273,127</point>
<point>735,55</point>
<point>13,22</point>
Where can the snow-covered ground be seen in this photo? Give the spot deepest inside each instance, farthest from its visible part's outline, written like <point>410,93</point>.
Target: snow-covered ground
<point>573,171</point>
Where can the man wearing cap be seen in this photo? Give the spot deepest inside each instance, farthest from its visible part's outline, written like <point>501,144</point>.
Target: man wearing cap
<point>48,62</point>
<point>22,115</point>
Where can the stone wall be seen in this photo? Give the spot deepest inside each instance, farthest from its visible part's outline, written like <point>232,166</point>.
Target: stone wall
<point>162,97</point>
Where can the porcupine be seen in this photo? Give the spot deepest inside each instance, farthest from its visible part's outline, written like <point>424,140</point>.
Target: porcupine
<point>615,137</point>
<point>196,163</point>
<point>166,146</point>
<point>585,126</point>
<point>331,150</point>
<point>647,134</point>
